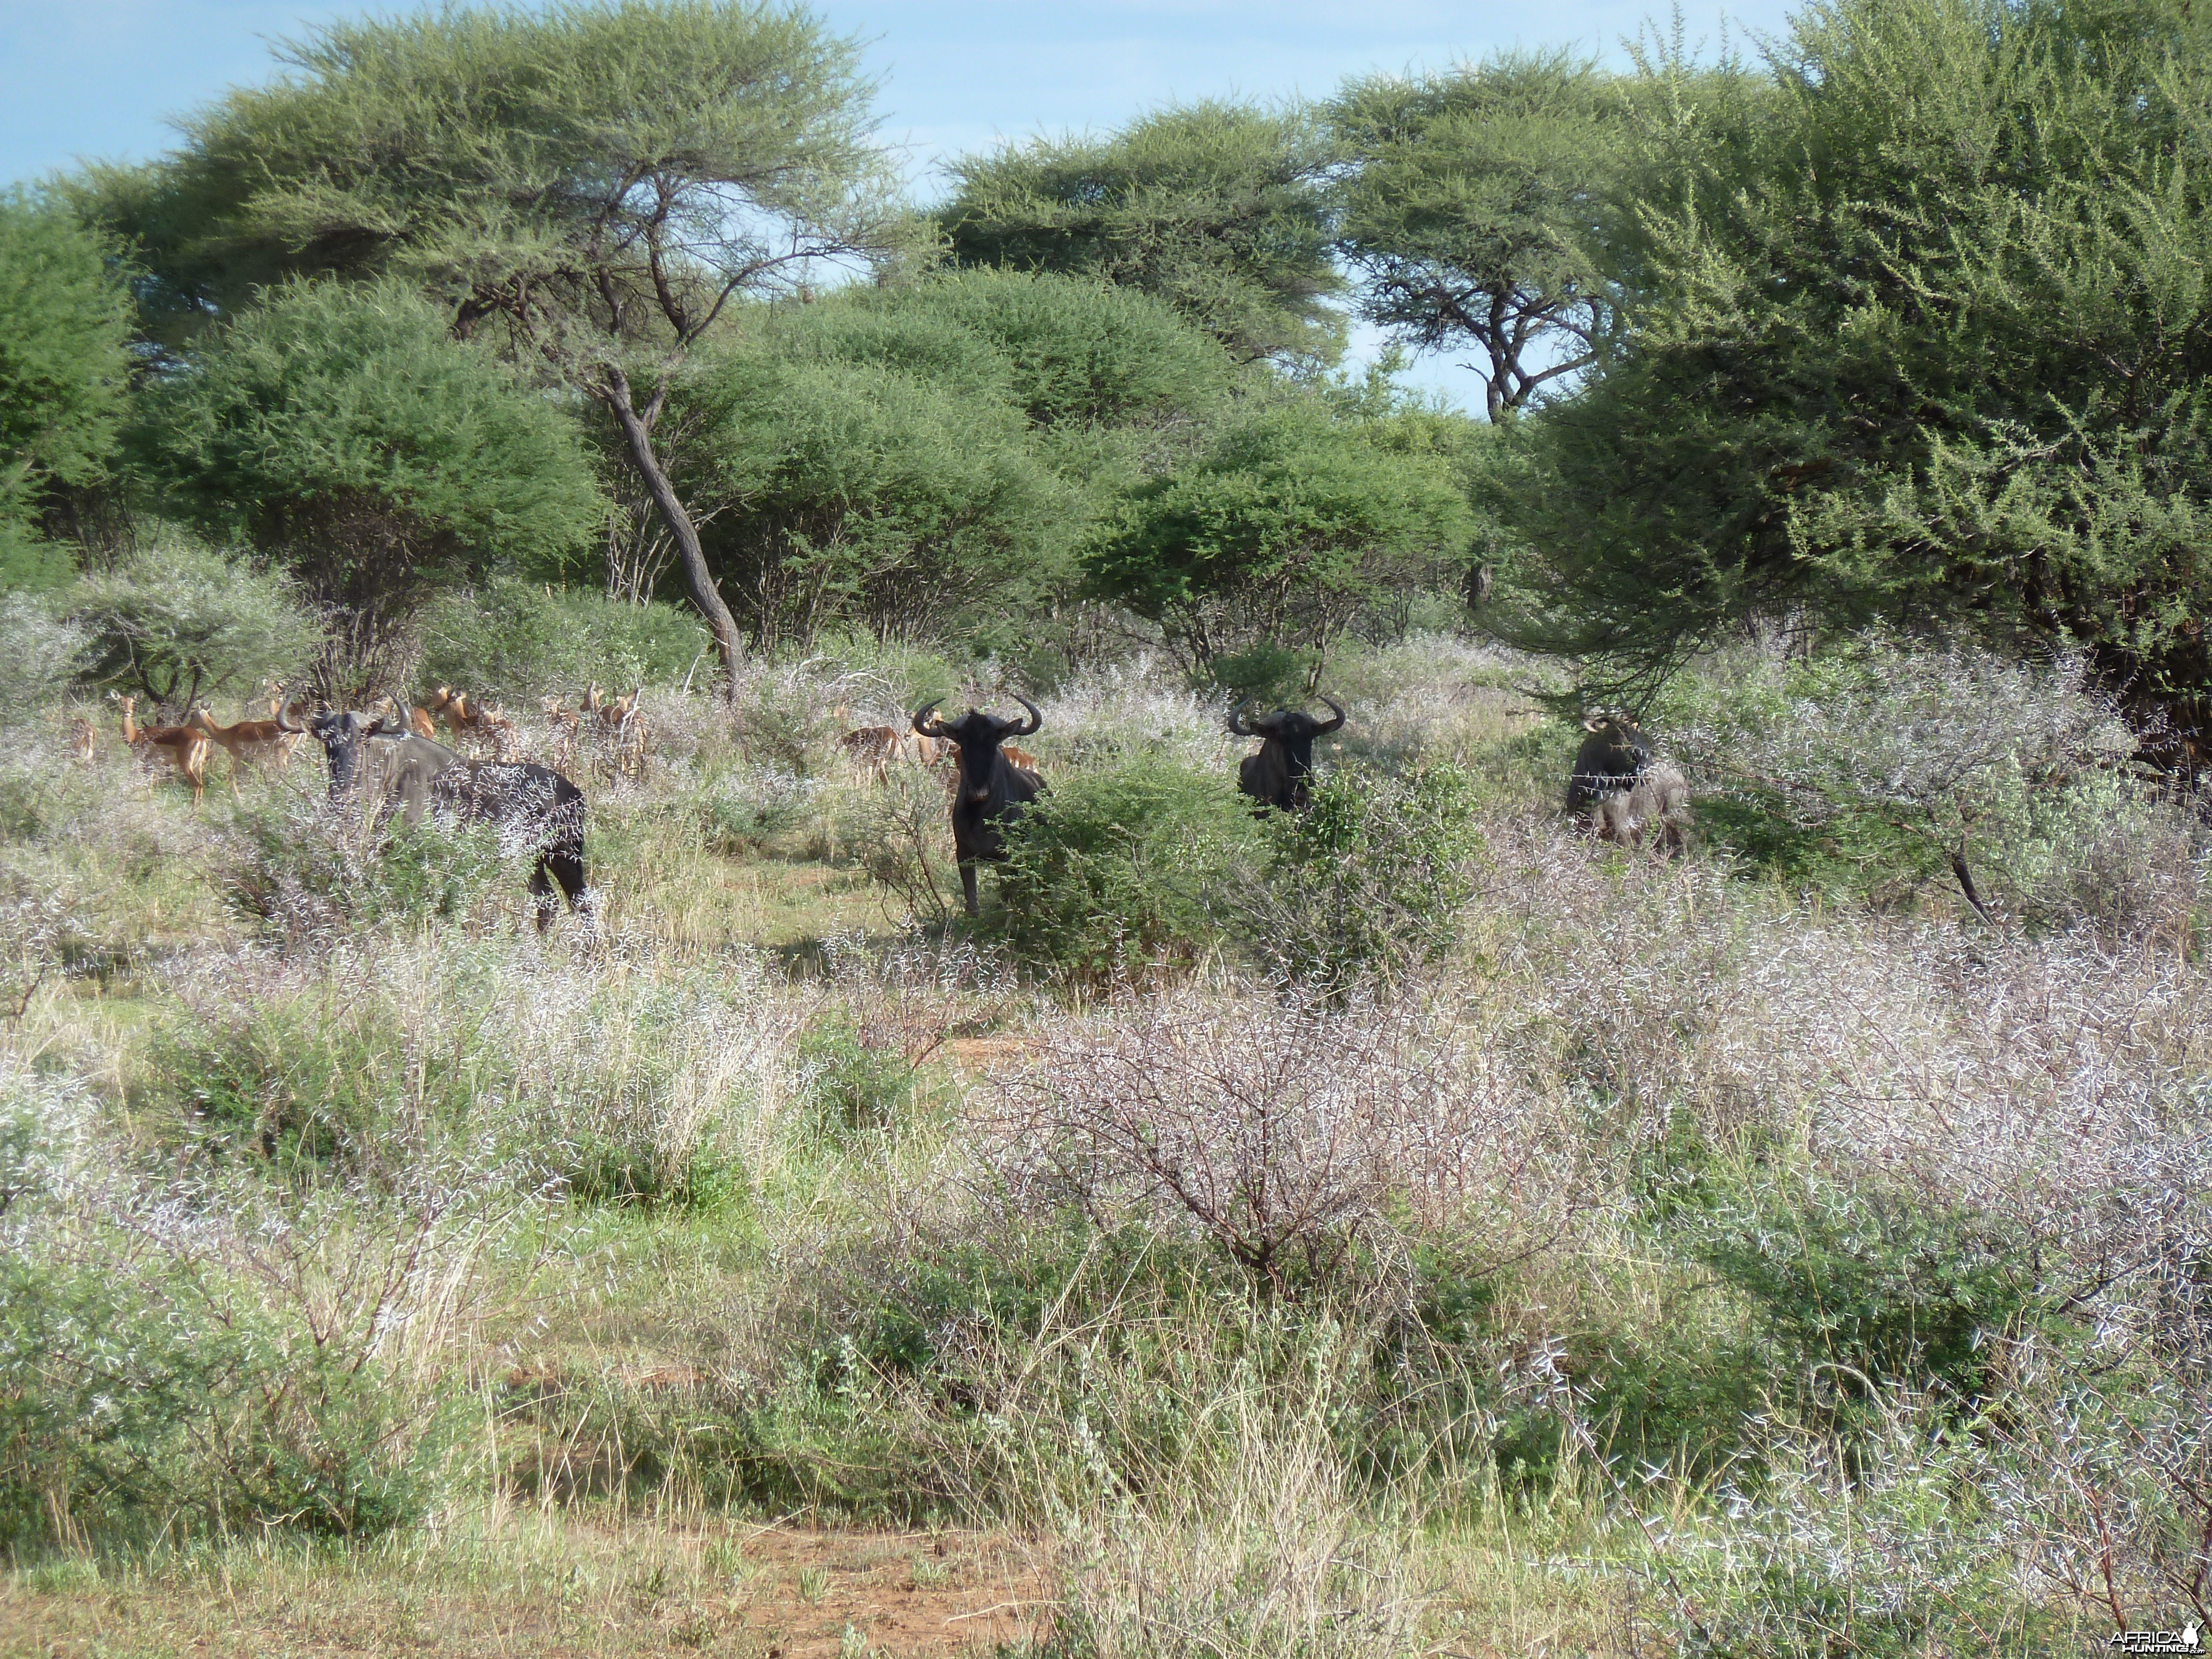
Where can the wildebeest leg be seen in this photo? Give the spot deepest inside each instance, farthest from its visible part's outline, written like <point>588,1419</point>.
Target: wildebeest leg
<point>541,894</point>
<point>567,869</point>
<point>967,883</point>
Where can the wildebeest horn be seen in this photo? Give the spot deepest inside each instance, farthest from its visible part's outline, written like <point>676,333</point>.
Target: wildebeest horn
<point>1037,720</point>
<point>283,725</point>
<point>1331,726</point>
<point>932,728</point>
<point>1237,725</point>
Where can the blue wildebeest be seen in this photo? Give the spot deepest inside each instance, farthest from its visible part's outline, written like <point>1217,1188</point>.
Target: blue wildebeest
<point>1623,789</point>
<point>1279,774</point>
<point>385,768</point>
<point>992,789</point>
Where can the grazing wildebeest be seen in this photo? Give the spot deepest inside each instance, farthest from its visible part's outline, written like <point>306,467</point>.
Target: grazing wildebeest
<point>385,766</point>
<point>1278,775</point>
<point>1623,790</point>
<point>992,789</point>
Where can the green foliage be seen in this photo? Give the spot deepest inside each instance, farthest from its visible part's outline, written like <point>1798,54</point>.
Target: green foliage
<point>1476,214</point>
<point>182,620</point>
<point>751,808</point>
<point>482,152</point>
<point>1269,676</point>
<point>1884,1284</point>
<point>345,432</point>
<point>1280,531</point>
<point>1369,881</point>
<point>852,1084</point>
<point>1119,873</point>
<point>593,184</point>
<point>1915,327</point>
<point>1219,209</point>
<point>861,495</point>
<point>516,640</point>
<point>65,319</point>
<point>1871,763</point>
<point>136,1394</point>
<point>45,649</point>
<point>279,1082</point>
<point>306,878</point>
<point>1080,353</point>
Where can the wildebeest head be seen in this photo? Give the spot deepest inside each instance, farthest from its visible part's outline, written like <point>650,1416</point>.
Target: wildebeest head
<point>342,734</point>
<point>979,736</point>
<point>1612,756</point>
<point>1292,730</point>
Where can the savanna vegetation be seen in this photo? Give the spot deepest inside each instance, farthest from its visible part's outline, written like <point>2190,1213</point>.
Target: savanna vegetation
<point>1405,1223</point>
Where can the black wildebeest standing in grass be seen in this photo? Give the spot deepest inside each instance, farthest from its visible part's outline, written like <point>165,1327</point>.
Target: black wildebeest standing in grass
<point>1277,776</point>
<point>385,766</point>
<point>1622,788</point>
<point>992,789</point>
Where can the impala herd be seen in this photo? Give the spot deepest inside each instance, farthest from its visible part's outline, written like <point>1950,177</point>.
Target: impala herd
<point>614,731</point>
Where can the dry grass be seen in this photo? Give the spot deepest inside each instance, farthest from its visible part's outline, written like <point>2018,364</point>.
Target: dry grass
<point>1184,1465</point>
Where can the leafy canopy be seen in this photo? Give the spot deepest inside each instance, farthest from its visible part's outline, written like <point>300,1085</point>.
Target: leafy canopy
<point>341,413</point>
<point>1916,329</point>
<point>1217,208</point>
<point>65,323</point>
<point>1280,530</point>
<point>858,492</point>
<point>1476,212</point>
<point>342,431</point>
<point>541,165</point>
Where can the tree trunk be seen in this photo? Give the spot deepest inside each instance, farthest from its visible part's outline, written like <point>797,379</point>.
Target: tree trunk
<point>615,389</point>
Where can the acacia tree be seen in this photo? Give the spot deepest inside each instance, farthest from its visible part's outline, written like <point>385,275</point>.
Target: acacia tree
<point>342,431</point>
<point>1280,532</point>
<point>599,181</point>
<point>1475,212</point>
<point>1220,209</point>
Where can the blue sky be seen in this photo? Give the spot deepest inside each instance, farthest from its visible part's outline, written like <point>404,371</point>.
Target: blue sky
<point>98,78</point>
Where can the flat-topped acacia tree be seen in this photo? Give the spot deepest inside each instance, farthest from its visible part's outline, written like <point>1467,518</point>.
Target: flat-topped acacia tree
<point>600,181</point>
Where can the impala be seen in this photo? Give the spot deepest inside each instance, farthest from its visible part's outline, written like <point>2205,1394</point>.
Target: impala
<point>180,748</point>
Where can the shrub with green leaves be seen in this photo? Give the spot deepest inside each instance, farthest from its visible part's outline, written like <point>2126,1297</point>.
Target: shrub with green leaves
<point>44,649</point>
<point>183,620</point>
<point>1368,882</point>
<point>851,1084</point>
<point>751,807</point>
<point>141,1386</point>
<point>1877,763</point>
<point>306,876</point>
<point>1122,871</point>
<point>516,641</point>
<point>1880,1284</point>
